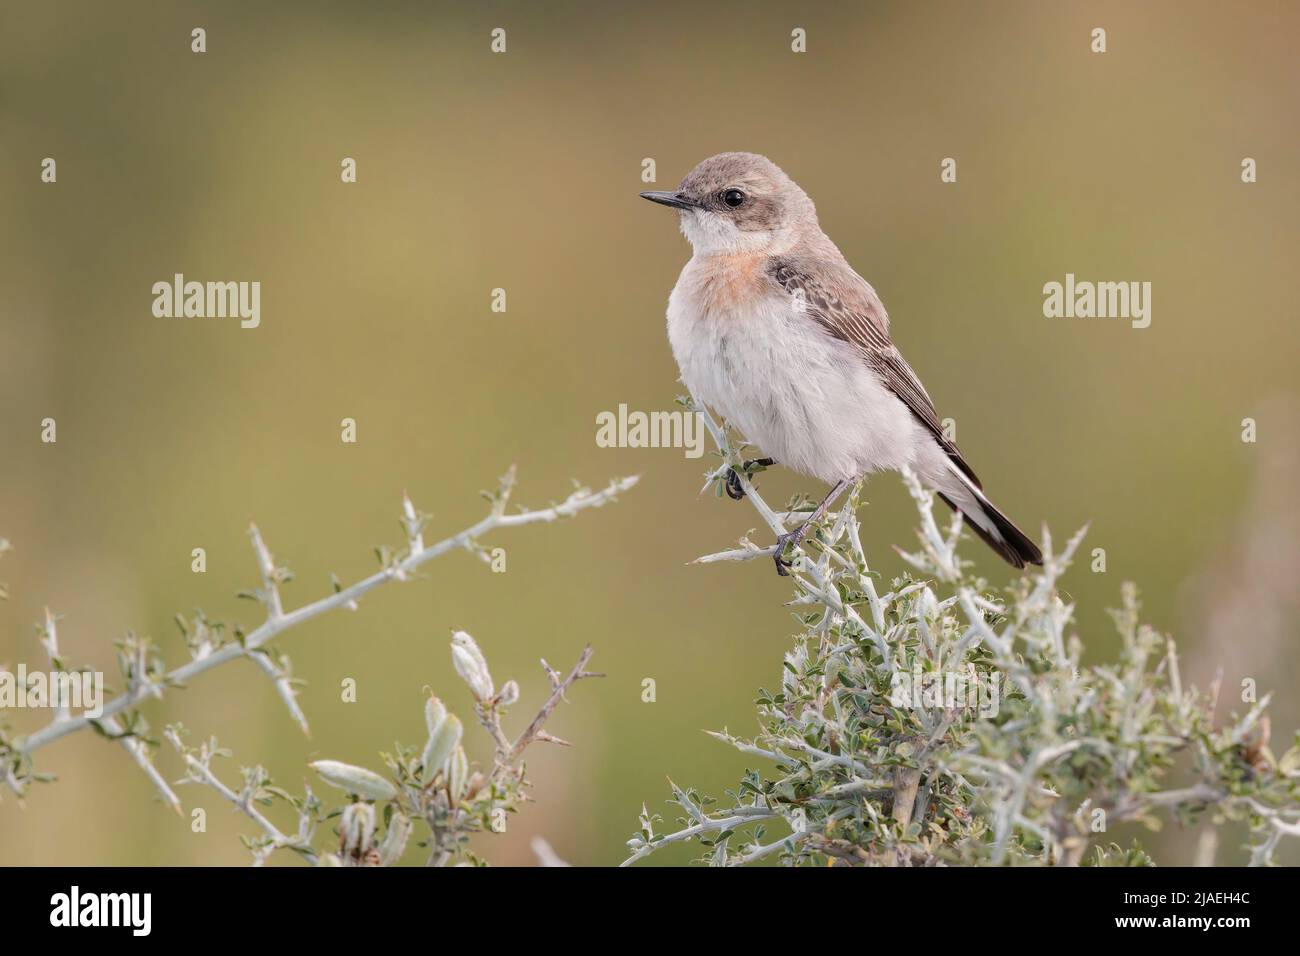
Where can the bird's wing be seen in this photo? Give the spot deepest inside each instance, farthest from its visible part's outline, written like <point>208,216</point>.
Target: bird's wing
<point>847,308</point>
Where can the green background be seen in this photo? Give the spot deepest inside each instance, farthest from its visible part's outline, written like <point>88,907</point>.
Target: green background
<point>520,171</point>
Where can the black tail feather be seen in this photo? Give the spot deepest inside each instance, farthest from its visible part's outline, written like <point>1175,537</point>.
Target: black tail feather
<point>1015,548</point>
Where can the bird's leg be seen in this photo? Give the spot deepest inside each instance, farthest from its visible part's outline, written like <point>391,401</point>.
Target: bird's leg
<point>792,538</point>
<point>734,489</point>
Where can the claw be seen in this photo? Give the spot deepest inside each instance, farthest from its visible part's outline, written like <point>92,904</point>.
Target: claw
<point>734,489</point>
<point>784,541</point>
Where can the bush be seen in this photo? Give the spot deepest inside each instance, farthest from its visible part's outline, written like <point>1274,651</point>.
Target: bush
<point>945,722</point>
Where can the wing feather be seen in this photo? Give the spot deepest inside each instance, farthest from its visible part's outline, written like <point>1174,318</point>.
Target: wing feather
<point>853,313</point>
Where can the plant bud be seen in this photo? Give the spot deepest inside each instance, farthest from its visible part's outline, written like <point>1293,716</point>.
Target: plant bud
<point>457,774</point>
<point>356,830</point>
<point>471,665</point>
<point>509,694</point>
<point>476,783</point>
<point>441,745</point>
<point>434,713</point>
<point>399,832</point>
<point>358,780</point>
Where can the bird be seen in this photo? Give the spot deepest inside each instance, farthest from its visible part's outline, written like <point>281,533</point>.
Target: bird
<point>772,328</point>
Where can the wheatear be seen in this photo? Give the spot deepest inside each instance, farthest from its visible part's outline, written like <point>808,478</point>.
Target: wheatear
<point>773,328</point>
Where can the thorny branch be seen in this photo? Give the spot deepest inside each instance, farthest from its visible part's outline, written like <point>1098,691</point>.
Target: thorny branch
<point>145,676</point>
<point>559,685</point>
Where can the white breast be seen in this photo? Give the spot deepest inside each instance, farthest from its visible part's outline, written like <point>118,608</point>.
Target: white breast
<point>806,399</point>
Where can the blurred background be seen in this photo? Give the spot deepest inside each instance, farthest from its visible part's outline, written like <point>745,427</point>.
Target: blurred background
<point>520,171</point>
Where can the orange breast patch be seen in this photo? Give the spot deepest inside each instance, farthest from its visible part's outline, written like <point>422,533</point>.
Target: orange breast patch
<point>728,286</point>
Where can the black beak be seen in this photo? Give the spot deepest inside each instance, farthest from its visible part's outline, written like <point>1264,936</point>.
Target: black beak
<point>676,200</point>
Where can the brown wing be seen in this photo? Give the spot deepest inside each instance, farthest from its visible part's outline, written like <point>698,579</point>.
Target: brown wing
<point>853,313</point>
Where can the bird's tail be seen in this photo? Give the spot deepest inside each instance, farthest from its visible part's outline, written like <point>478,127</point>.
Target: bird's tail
<point>993,527</point>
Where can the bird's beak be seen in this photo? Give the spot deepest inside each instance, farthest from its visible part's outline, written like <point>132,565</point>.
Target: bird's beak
<point>676,200</point>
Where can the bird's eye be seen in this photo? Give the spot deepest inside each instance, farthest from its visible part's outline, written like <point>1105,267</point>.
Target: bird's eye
<point>733,198</point>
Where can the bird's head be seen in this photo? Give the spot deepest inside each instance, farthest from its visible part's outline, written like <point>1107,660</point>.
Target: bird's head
<point>739,203</point>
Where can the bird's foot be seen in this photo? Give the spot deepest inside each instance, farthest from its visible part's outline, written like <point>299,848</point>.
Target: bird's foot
<point>736,491</point>
<point>790,539</point>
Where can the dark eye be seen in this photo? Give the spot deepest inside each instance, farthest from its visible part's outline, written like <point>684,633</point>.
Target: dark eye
<point>733,198</point>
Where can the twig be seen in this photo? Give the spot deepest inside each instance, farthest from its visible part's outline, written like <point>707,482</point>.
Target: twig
<point>201,772</point>
<point>279,620</point>
<point>559,685</point>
